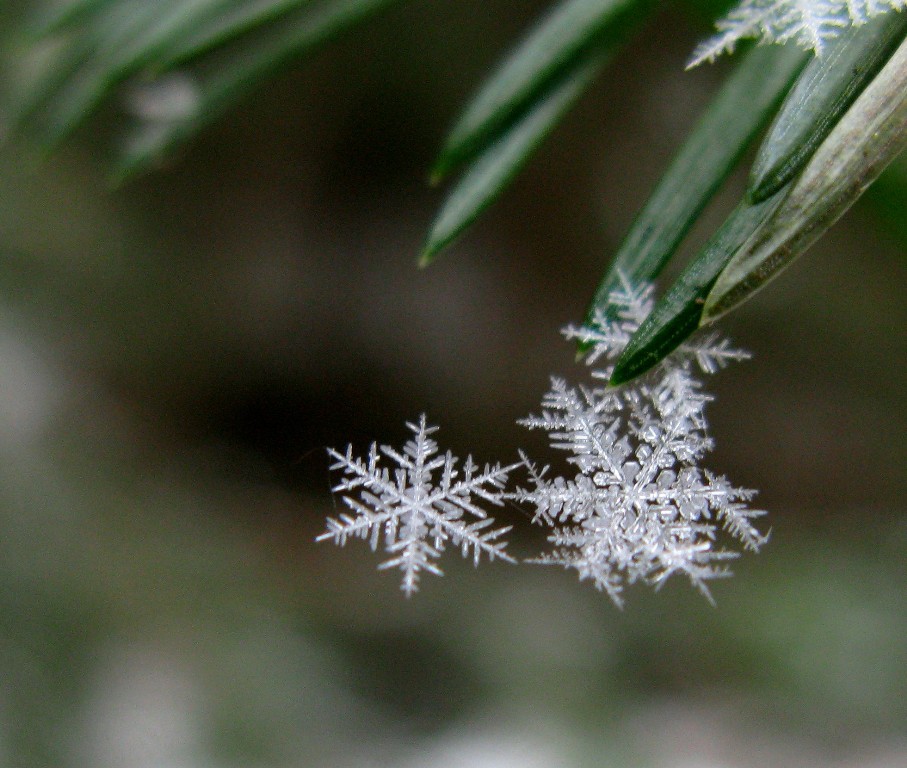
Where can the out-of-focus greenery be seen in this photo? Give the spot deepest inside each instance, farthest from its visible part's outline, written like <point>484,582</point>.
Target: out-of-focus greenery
<point>176,353</point>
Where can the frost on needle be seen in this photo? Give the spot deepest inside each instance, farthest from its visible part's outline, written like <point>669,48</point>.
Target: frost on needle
<point>811,24</point>
<point>414,512</point>
<point>638,506</point>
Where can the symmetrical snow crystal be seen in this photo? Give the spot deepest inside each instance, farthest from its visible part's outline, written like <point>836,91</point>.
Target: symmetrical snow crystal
<point>415,514</point>
<point>638,507</point>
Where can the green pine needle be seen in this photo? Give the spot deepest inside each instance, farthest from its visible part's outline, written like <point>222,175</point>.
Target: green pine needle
<point>569,31</point>
<point>83,52</point>
<point>742,108</point>
<point>496,167</point>
<point>678,314</point>
<point>224,76</point>
<point>821,95</point>
<point>869,136</point>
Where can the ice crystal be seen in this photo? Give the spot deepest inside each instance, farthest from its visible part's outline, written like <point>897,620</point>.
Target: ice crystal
<point>809,23</point>
<point>639,507</point>
<point>412,511</point>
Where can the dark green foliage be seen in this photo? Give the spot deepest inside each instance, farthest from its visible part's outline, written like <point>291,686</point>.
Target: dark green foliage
<point>180,64</point>
<point>677,315</point>
<point>487,177</point>
<point>738,112</point>
<point>827,87</point>
<point>79,53</point>
<point>530,72</point>
<point>816,103</point>
<point>521,103</point>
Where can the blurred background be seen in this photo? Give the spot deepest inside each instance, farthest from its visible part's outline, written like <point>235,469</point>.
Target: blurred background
<point>177,352</point>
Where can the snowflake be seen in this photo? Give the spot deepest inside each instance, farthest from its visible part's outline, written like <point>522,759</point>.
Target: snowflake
<point>415,514</point>
<point>639,507</point>
<point>811,24</point>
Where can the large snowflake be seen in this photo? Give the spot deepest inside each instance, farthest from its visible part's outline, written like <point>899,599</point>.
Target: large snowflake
<point>412,511</point>
<point>638,508</point>
<point>809,23</point>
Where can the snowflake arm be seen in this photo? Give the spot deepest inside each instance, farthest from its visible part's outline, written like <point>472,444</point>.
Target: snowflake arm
<point>712,353</point>
<point>607,338</point>
<point>574,551</point>
<point>415,516</point>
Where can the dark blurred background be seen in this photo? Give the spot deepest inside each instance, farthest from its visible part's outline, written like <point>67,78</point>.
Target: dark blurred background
<point>176,354</point>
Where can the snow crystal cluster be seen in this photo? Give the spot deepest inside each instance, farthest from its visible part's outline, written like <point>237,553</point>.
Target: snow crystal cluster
<point>639,507</point>
<point>634,506</point>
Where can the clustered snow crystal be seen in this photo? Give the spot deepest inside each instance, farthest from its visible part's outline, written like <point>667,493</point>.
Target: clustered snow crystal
<point>636,505</point>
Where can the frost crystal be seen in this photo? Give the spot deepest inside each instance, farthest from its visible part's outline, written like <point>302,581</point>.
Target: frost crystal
<point>808,23</point>
<point>415,514</point>
<point>639,508</point>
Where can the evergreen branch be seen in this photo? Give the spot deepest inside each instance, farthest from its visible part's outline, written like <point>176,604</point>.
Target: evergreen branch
<point>742,107</point>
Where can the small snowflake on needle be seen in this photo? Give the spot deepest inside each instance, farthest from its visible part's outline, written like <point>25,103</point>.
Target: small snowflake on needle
<point>811,24</point>
<point>426,502</point>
